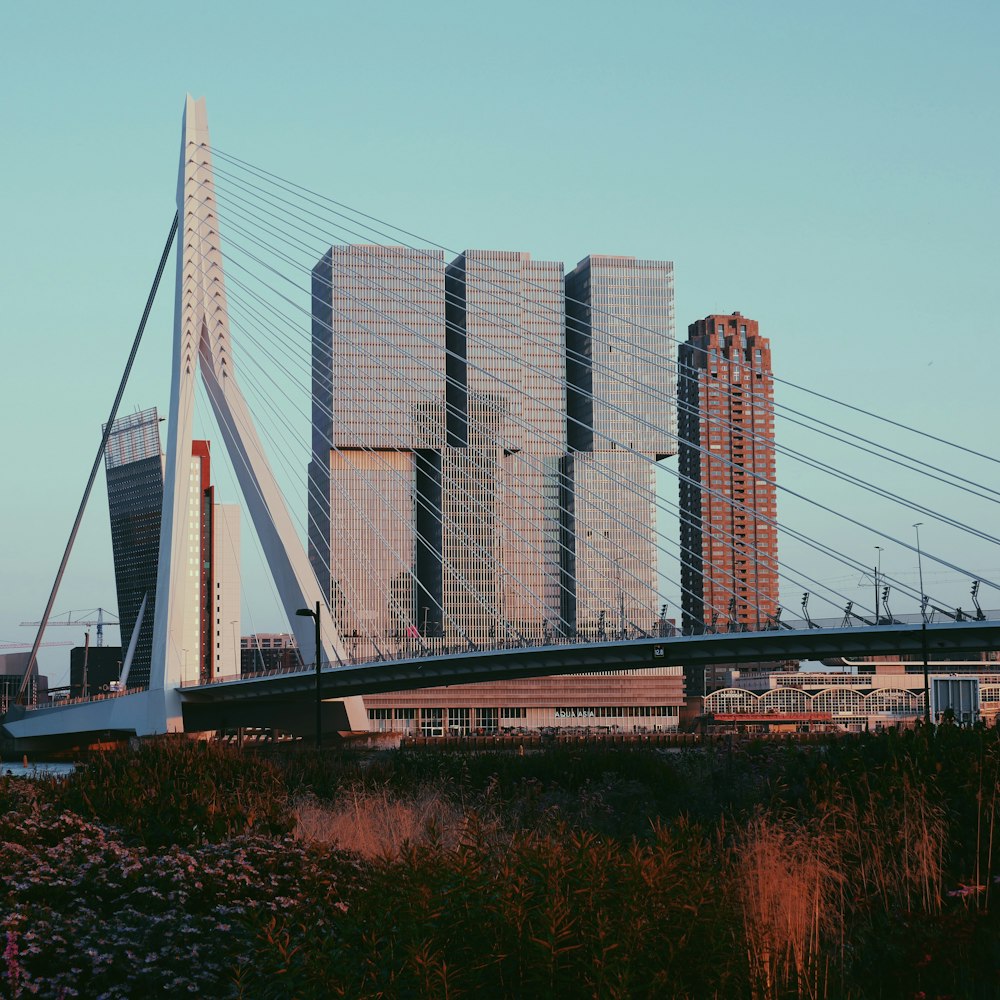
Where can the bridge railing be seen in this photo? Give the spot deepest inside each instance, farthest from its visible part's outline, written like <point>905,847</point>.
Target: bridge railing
<point>84,699</point>
<point>431,647</point>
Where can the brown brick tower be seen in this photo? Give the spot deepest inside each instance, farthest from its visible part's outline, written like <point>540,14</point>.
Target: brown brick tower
<point>727,494</point>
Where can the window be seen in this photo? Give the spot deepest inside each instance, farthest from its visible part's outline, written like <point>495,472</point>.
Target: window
<point>432,721</point>
<point>486,719</point>
<point>458,721</point>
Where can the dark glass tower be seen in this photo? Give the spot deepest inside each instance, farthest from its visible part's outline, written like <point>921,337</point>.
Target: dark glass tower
<point>134,469</point>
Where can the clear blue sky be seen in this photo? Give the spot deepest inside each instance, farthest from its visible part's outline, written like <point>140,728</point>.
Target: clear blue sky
<point>828,169</point>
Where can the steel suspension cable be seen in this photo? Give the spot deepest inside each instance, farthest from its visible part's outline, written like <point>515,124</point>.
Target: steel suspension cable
<point>279,182</point>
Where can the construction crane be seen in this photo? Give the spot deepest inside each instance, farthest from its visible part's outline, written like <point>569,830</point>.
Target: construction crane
<point>87,619</point>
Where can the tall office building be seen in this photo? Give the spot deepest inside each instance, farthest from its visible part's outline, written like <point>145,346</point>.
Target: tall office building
<point>506,436</point>
<point>225,658</point>
<point>727,488</point>
<point>433,486</point>
<point>620,419</point>
<point>209,641</point>
<point>451,500</point>
<point>133,462</point>
<point>378,426</point>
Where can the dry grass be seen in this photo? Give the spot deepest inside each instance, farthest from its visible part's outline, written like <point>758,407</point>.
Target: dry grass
<point>896,849</point>
<point>377,824</point>
<point>793,910</point>
<point>796,878</point>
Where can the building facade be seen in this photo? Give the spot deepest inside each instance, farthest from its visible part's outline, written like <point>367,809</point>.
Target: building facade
<point>12,669</point>
<point>621,419</point>
<point>506,436</point>
<point>209,639</point>
<point>224,592</point>
<point>646,699</point>
<point>728,496</point>
<point>261,652</point>
<point>378,399</point>
<point>133,463</point>
<point>460,498</point>
<point>852,702</point>
<point>94,669</point>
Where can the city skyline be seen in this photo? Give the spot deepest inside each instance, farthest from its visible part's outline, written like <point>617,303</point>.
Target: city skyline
<point>862,239</point>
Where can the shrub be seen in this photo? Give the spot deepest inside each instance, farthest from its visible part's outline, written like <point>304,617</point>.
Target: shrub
<point>179,791</point>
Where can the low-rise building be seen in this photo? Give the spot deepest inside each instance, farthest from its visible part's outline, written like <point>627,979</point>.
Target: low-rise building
<point>647,699</point>
<point>848,702</point>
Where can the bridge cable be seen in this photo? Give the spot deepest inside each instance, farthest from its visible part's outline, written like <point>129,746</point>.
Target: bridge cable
<point>32,658</point>
<point>275,179</point>
<point>786,489</point>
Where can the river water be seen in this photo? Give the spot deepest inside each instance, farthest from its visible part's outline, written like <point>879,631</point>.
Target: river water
<point>37,769</point>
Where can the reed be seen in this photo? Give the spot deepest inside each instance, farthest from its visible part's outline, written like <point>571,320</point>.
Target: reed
<point>792,894</point>
<point>379,823</point>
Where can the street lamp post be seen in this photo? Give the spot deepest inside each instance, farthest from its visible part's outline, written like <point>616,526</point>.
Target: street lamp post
<point>236,647</point>
<point>923,628</point>
<point>878,573</point>
<point>309,613</point>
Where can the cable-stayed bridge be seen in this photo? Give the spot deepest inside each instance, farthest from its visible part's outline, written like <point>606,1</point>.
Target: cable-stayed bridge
<point>489,477</point>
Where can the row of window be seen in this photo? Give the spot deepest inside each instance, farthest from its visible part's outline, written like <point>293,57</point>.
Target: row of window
<point>485,715</point>
<point>833,700</point>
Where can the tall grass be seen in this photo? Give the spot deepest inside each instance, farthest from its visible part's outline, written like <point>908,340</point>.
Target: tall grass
<point>791,890</point>
<point>175,790</point>
<point>854,869</point>
<point>379,823</point>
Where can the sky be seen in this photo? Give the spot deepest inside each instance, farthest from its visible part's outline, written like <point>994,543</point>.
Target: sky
<point>827,169</point>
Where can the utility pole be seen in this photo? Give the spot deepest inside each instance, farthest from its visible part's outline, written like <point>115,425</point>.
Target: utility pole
<point>309,613</point>
<point>878,572</point>
<point>923,628</point>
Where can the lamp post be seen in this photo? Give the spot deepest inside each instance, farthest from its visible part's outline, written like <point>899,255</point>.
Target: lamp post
<point>878,573</point>
<point>236,647</point>
<point>309,613</point>
<point>923,628</point>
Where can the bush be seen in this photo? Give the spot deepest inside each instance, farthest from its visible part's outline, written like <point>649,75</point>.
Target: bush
<point>178,791</point>
<point>863,867</point>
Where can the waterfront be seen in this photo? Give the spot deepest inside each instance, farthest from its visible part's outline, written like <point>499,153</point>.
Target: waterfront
<point>36,769</point>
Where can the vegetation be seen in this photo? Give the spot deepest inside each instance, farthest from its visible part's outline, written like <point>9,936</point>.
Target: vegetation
<point>863,867</point>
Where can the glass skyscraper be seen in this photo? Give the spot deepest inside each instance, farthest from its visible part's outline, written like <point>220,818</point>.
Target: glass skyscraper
<point>500,476</point>
<point>466,485</point>
<point>378,416</point>
<point>134,471</point>
<point>621,418</point>
<point>133,462</point>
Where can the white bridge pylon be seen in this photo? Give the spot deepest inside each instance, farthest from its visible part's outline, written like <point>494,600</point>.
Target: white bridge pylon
<point>202,341</point>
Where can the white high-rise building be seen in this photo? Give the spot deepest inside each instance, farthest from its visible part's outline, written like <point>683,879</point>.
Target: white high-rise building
<point>226,592</point>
